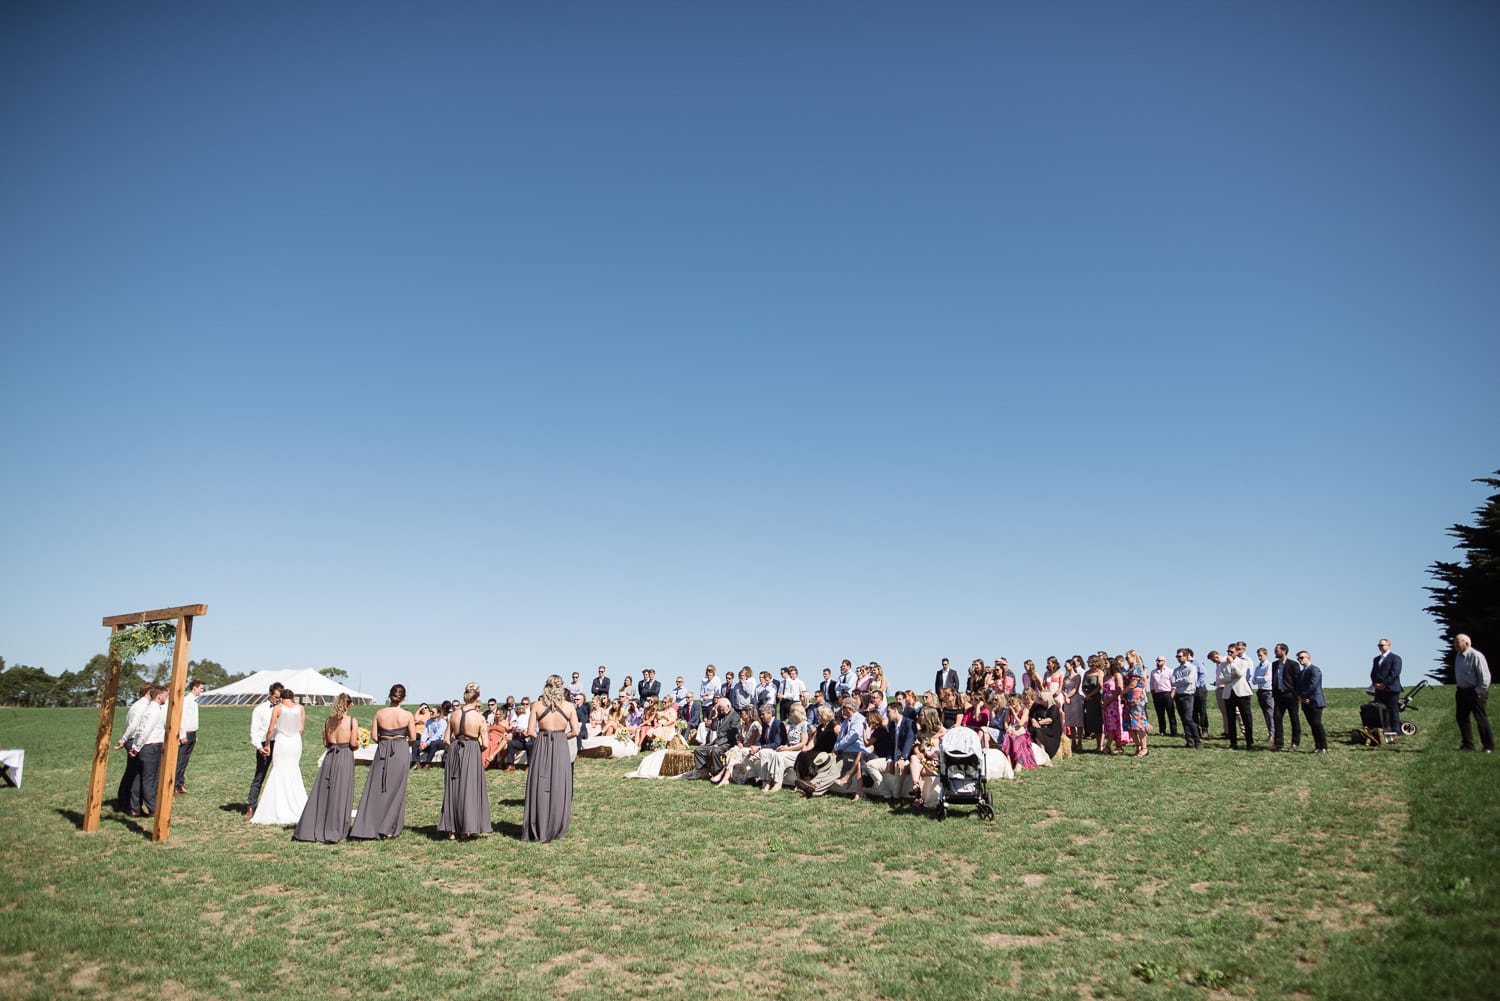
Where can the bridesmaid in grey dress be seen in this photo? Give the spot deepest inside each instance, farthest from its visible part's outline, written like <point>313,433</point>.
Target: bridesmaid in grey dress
<point>325,818</point>
<point>549,769</point>
<point>466,799</point>
<point>382,808</point>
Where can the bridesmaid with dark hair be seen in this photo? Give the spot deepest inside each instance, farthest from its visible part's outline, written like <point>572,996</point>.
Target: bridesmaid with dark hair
<point>1092,688</point>
<point>382,808</point>
<point>325,818</point>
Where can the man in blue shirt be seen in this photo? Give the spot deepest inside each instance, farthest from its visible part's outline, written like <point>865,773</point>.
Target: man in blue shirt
<point>1185,697</point>
<point>1262,684</point>
<point>1200,699</point>
<point>433,739</point>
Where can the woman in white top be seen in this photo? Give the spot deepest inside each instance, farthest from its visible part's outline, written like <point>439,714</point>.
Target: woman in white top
<point>284,797</point>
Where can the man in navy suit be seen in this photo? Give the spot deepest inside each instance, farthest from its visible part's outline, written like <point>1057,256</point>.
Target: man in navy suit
<point>601,684</point>
<point>1385,679</point>
<point>829,688</point>
<point>649,688</point>
<point>946,678</point>
<point>1310,694</point>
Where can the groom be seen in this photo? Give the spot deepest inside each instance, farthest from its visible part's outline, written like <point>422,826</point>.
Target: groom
<point>260,723</point>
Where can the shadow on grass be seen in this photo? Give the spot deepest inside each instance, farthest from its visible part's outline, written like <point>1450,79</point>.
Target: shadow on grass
<point>108,816</point>
<point>238,808</point>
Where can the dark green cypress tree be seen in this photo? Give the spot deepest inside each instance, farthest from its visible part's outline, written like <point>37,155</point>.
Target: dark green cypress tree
<point>1467,598</point>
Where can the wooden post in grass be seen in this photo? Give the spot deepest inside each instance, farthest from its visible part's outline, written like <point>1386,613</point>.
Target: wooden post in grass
<point>166,778</point>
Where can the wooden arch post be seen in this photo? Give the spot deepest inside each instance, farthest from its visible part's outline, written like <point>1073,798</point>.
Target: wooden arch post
<point>166,777</point>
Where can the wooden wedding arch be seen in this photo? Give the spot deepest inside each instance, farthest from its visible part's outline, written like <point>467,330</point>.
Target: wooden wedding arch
<point>166,776</point>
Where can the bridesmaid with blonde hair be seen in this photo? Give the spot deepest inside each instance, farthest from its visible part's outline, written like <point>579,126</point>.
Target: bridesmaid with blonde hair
<point>325,818</point>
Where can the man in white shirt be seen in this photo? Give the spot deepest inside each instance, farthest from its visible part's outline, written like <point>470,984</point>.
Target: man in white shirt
<point>149,735</point>
<point>793,691</point>
<point>260,724</point>
<point>1237,695</point>
<point>187,733</point>
<point>130,782</point>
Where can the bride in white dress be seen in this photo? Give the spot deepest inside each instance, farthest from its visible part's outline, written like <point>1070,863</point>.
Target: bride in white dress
<point>284,795</point>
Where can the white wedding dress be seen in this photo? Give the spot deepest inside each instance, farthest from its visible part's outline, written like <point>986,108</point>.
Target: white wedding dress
<point>283,796</point>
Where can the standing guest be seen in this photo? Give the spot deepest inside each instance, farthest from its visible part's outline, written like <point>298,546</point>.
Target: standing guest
<point>1200,701</point>
<point>1285,697</point>
<point>601,683</point>
<point>682,698</point>
<point>649,687</point>
<point>260,727</point>
<point>1092,688</point>
<point>708,691</point>
<point>765,692</point>
<point>628,690</point>
<point>1072,702</point>
<point>740,692</point>
<point>575,688</point>
<point>130,781</point>
<point>434,737</point>
<point>878,684</point>
<point>1113,736</point>
<point>549,772</point>
<point>946,680</point>
<point>1134,710</point>
<point>828,688</point>
<point>1263,683</point>
<point>1221,687</point>
<point>862,679</point>
<point>845,682</point>
<point>793,692</point>
<point>466,798</point>
<point>325,818</point>
<point>1471,673</point>
<point>1052,681</point>
<point>152,732</point>
<point>1031,681</point>
<point>1185,697</point>
<point>187,733</point>
<point>1237,695</point>
<point>1385,680</point>
<point>1161,698</point>
<point>382,807</point>
<point>1310,694</point>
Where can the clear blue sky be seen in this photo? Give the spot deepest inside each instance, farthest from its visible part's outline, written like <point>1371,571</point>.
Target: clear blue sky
<point>481,342</point>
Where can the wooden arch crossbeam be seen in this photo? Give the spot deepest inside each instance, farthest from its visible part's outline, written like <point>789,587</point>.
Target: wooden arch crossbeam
<point>184,614</point>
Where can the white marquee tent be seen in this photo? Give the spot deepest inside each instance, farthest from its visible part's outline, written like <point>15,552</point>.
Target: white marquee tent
<point>311,688</point>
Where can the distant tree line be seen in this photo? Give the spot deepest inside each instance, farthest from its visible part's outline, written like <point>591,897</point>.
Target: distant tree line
<point>24,685</point>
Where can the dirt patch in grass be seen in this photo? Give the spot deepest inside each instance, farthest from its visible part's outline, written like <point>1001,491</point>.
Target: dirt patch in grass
<point>1032,880</point>
<point>1000,940</point>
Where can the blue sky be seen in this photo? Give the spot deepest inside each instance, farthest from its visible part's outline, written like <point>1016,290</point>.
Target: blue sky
<point>482,343</point>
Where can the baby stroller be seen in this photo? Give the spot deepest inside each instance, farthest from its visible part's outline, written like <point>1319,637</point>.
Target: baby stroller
<point>961,774</point>
<point>1407,726</point>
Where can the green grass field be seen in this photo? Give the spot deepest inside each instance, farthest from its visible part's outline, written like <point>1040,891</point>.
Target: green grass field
<point>1366,873</point>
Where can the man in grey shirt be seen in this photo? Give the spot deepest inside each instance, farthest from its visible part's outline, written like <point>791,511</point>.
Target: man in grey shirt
<point>1471,673</point>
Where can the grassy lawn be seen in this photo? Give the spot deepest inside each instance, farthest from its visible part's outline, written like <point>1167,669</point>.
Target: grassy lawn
<point>1369,872</point>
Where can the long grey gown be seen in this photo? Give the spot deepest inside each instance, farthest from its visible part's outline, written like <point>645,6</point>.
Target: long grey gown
<point>549,787</point>
<point>466,798</point>
<point>325,818</point>
<point>382,807</point>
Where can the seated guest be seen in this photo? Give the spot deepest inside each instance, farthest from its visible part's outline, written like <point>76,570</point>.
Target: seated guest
<point>948,706</point>
<point>771,738</point>
<point>434,738</point>
<point>977,718</point>
<point>824,737</point>
<point>798,738</point>
<point>1045,721</point>
<point>1017,743</point>
<point>518,743</point>
<point>723,734</point>
<point>924,752</point>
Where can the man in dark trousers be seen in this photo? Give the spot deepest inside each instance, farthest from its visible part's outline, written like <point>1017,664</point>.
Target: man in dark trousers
<point>601,684</point>
<point>946,678</point>
<point>1310,695</point>
<point>723,733</point>
<point>829,688</point>
<point>1385,679</point>
<point>260,724</point>
<point>1471,675</point>
<point>1285,697</point>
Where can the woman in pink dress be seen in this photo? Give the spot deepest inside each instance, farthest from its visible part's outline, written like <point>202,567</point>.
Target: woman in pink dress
<point>1017,744</point>
<point>1114,735</point>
